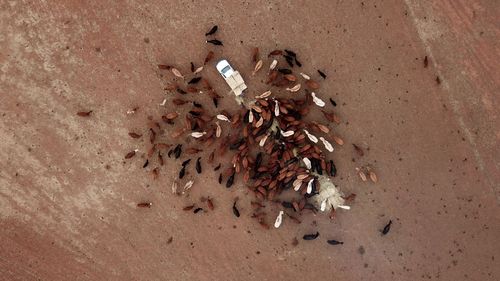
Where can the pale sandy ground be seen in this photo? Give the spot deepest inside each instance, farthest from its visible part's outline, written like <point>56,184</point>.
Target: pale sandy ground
<point>67,199</point>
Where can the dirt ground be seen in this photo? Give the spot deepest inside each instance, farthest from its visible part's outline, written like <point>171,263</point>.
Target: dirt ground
<point>68,199</point>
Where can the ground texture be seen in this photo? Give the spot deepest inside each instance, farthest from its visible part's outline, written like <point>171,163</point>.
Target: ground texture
<point>68,200</point>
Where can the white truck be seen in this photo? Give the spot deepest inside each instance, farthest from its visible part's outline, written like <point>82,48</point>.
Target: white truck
<point>233,78</point>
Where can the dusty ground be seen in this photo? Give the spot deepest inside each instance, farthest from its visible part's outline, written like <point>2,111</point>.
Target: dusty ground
<point>67,199</point>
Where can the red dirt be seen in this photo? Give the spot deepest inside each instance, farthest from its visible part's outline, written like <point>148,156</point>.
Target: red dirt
<point>68,199</point>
